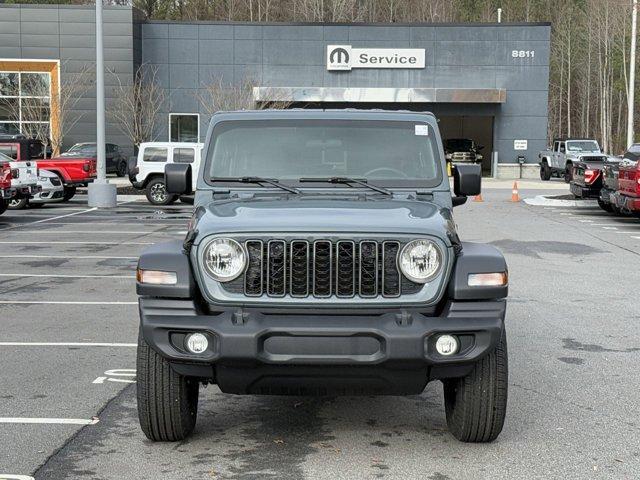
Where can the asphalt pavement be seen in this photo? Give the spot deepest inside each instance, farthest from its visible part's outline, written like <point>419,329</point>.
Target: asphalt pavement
<point>68,327</point>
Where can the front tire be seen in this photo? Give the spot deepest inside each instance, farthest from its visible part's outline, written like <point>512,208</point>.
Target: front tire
<point>156,192</point>
<point>121,169</point>
<point>3,205</point>
<point>476,405</point>
<point>18,203</point>
<point>69,193</point>
<point>545,171</point>
<point>167,402</point>
<point>568,173</point>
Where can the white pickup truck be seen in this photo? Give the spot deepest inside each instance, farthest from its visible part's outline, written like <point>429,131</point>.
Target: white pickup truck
<point>559,159</point>
<point>23,176</point>
<point>148,171</point>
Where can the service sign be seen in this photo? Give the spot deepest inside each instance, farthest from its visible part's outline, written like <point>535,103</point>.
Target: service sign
<point>344,57</point>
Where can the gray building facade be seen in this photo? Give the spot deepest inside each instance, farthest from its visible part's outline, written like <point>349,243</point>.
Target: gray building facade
<point>487,82</point>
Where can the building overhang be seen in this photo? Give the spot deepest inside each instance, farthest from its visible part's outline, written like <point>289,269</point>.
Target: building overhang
<point>379,95</point>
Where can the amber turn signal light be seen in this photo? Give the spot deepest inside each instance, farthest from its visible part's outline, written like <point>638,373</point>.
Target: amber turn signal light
<point>498,279</point>
<point>156,277</point>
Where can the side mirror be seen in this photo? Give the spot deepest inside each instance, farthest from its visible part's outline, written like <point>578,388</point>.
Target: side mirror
<point>177,178</point>
<point>467,180</point>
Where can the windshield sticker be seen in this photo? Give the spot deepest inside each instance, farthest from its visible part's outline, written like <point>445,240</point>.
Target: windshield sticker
<point>422,130</point>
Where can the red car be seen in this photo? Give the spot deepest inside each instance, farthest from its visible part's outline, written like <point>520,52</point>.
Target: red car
<point>5,186</point>
<point>73,171</point>
<point>627,197</point>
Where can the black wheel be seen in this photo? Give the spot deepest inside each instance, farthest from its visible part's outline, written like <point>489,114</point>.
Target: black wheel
<point>167,402</point>
<point>476,405</point>
<point>156,192</point>
<point>69,193</point>
<point>3,206</point>
<point>18,203</point>
<point>605,206</point>
<point>545,171</point>
<point>121,170</point>
<point>568,173</point>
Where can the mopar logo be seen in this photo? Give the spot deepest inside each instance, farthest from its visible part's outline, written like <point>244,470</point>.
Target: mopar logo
<point>339,55</point>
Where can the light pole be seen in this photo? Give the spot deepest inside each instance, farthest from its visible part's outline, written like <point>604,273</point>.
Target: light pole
<point>632,74</point>
<point>101,193</point>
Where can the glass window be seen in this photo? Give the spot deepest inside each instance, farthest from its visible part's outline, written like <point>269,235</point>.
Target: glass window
<point>9,150</point>
<point>184,127</point>
<point>9,84</point>
<point>9,109</point>
<point>184,155</point>
<point>34,84</point>
<point>155,154</point>
<point>397,151</point>
<point>24,103</point>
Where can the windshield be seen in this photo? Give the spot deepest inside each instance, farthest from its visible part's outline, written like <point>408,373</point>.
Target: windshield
<point>583,146</point>
<point>393,151</point>
<point>459,144</point>
<point>81,149</point>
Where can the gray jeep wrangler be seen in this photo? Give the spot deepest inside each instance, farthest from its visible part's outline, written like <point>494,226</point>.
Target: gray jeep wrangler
<point>322,259</point>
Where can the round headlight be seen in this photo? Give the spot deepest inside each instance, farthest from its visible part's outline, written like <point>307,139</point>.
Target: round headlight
<point>420,260</point>
<point>224,259</point>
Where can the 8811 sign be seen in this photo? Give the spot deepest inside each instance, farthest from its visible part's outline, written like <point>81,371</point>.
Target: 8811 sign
<point>523,53</point>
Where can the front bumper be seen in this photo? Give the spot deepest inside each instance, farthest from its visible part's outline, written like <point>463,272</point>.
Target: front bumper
<point>389,351</point>
<point>626,203</point>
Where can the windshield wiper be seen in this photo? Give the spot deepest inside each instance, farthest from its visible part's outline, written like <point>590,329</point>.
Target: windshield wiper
<point>347,181</point>
<point>269,181</point>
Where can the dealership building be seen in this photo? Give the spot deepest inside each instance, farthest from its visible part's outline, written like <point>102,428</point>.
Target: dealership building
<point>484,82</point>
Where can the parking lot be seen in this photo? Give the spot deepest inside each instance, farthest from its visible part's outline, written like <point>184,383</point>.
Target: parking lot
<point>69,330</point>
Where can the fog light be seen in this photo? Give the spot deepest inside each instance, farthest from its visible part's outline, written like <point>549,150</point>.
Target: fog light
<point>197,343</point>
<point>447,345</point>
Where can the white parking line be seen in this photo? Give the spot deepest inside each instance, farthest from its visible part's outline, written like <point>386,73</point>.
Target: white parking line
<point>636,237</point>
<point>51,218</point>
<point>74,243</point>
<point>10,476</point>
<point>53,302</point>
<point>62,275</point>
<point>61,421</point>
<point>66,344</point>
<point>609,228</point>
<point>93,257</point>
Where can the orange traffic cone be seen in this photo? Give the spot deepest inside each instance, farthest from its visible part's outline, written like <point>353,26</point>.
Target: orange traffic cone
<point>515,197</point>
<point>478,198</point>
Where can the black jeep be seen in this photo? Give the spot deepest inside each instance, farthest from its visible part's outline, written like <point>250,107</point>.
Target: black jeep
<point>322,258</point>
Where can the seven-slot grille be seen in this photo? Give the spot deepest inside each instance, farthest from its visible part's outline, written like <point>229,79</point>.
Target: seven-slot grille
<point>321,269</point>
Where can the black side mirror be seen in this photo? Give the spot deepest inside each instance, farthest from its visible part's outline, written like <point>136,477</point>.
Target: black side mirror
<point>467,180</point>
<point>177,178</point>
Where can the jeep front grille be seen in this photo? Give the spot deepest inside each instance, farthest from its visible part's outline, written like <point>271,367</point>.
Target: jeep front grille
<point>321,269</point>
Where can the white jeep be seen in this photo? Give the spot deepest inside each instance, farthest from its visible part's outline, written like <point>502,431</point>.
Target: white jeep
<point>148,171</point>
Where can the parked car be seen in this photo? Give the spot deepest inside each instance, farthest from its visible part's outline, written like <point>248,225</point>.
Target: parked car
<point>5,185</point>
<point>627,198</point>
<point>148,171</point>
<point>462,150</point>
<point>587,178</point>
<point>610,171</point>
<point>51,191</point>
<point>315,266</point>
<point>24,178</point>
<point>72,171</point>
<point>10,145</point>
<point>116,162</point>
<point>560,159</point>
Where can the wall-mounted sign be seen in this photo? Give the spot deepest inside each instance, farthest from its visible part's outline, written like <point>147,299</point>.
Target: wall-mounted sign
<point>520,144</point>
<point>344,57</point>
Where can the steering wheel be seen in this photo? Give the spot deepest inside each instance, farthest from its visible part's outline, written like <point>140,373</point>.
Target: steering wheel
<point>388,169</point>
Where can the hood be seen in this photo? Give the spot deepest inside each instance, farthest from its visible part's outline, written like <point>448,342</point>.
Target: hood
<point>326,213</point>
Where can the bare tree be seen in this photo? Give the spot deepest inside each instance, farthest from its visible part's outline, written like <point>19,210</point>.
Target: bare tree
<point>136,106</point>
<point>219,95</point>
<point>73,86</point>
